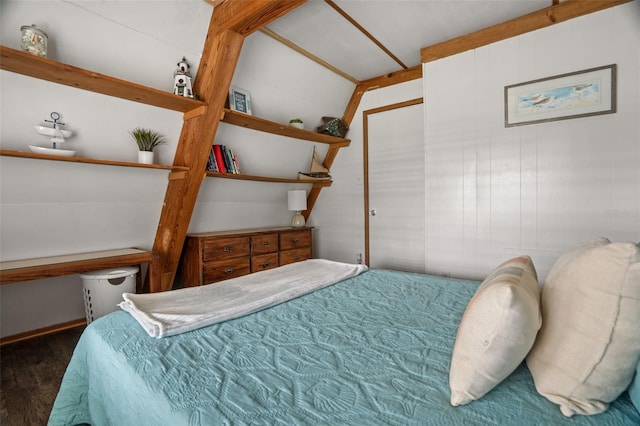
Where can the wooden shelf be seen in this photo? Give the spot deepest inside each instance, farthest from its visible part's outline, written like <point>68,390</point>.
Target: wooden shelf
<point>47,69</point>
<point>242,176</point>
<point>262,125</point>
<point>47,267</point>
<point>21,154</point>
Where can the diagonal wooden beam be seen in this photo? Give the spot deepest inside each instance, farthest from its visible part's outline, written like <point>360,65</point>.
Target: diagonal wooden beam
<point>198,132</point>
<point>385,80</point>
<point>308,54</point>
<point>367,34</point>
<point>231,22</point>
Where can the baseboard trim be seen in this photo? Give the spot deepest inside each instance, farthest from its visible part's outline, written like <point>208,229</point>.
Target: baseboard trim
<point>43,331</point>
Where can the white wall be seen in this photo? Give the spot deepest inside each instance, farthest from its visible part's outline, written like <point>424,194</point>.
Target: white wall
<point>52,208</point>
<point>496,192</point>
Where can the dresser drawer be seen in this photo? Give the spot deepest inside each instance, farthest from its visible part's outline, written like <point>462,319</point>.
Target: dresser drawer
<point>295,239</point>
<point>209,257</point>
<point>225,248</point>
<point>225,269</point>
<point>264,244</point>
<point>264,262</point>
<point>295,255</point>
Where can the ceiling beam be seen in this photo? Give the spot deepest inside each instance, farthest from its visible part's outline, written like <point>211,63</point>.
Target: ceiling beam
<point>356,24</point>
<point>308,54</point>
<point>530,22</point>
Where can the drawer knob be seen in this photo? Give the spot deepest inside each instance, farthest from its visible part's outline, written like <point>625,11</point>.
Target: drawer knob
<point>265,244</point>
<point>266,264</point>
<point>227,249</point>
<point>295,240</point>
<point>228,270</point>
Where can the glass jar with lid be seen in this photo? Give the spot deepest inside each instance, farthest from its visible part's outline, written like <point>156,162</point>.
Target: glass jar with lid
<point>34,40</point>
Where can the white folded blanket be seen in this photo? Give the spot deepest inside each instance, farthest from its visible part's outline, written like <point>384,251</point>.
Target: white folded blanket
<point>177,311</point>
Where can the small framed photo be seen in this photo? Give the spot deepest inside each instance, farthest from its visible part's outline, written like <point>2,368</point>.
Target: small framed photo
<point>239,100</point>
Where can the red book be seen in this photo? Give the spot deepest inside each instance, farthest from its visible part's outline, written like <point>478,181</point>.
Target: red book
<point>219,159</point>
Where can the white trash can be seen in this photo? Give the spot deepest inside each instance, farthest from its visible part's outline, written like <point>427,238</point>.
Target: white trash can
<point>103,290</point>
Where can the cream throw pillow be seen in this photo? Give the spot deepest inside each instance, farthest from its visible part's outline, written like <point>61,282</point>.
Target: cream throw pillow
<point>589,345</point>
<point>497,330</point>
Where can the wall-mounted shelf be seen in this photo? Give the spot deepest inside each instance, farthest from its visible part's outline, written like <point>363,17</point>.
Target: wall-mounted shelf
<point>262,125</point>
<point>50,70</point>
<point>255,178</point>
<point>20,154</point>
<point>192,147</point>
<point>55,266</point>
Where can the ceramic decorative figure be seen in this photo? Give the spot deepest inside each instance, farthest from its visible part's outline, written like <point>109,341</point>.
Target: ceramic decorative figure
<point>182,80</point>
<point>147,140</point>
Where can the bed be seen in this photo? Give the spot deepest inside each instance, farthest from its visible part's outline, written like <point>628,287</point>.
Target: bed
<point>374,349</point>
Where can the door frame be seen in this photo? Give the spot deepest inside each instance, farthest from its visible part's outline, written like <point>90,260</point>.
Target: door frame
<point>365,160</point>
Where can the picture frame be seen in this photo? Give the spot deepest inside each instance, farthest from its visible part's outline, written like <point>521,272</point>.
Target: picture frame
<point>239,100</point>
<point>572,95</point>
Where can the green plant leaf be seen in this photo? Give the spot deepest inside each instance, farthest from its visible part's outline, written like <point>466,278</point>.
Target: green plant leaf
<point>147,139</point>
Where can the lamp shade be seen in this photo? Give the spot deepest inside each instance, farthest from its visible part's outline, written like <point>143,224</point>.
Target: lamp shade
<point>297,200</point>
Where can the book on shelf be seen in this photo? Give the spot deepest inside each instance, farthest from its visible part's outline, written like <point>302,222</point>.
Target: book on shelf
<point>212,164</point>
<point>222,159</point>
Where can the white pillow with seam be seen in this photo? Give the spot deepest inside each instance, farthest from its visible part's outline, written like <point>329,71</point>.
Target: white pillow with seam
<point>497,330</point>
<point>589,345</point>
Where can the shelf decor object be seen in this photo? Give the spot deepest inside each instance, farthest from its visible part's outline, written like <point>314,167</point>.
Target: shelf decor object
<point>147,140</point>
<point>239,100</point>
<point>182,80</point>
<point>57,137</point>
<point>333,126</point>
<point>317,171</point>
<point>297,201</point>
<point>297,123</point>
<point>34,40</point>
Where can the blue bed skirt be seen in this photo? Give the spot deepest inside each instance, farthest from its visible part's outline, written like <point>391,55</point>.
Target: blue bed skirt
<point>371,350</point>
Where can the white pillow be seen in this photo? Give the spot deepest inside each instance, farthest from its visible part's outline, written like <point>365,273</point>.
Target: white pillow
<point>587,350</point>
<point>497,330</point>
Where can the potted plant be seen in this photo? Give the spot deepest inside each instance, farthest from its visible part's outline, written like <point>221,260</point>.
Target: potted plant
<point>297,123</point>
<point>147,140</point>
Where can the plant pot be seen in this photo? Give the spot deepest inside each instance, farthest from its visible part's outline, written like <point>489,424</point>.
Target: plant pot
<point>297,125</point>
<point>145,157</point>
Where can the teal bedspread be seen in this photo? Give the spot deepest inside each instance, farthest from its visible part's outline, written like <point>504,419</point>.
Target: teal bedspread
<point>370,350</point>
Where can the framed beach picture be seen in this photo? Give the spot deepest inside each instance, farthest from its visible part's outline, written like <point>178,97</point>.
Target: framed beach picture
<point>572,95</point>
<point>239,100</point>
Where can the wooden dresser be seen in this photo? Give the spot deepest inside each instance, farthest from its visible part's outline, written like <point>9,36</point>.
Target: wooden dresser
<point>215,256</point>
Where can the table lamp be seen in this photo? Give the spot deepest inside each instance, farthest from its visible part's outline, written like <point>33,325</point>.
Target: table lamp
<point>297,201</point>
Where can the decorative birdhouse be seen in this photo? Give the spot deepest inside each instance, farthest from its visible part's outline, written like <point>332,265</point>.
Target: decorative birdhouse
<point>182,80</point>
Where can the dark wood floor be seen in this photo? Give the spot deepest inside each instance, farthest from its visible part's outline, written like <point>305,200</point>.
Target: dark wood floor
<point>30,373</point>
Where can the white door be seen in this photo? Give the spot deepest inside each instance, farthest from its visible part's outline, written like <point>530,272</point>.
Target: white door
<point>396,187</point>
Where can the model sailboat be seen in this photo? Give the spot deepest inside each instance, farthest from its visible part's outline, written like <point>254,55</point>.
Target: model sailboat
<point>317,170</point>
